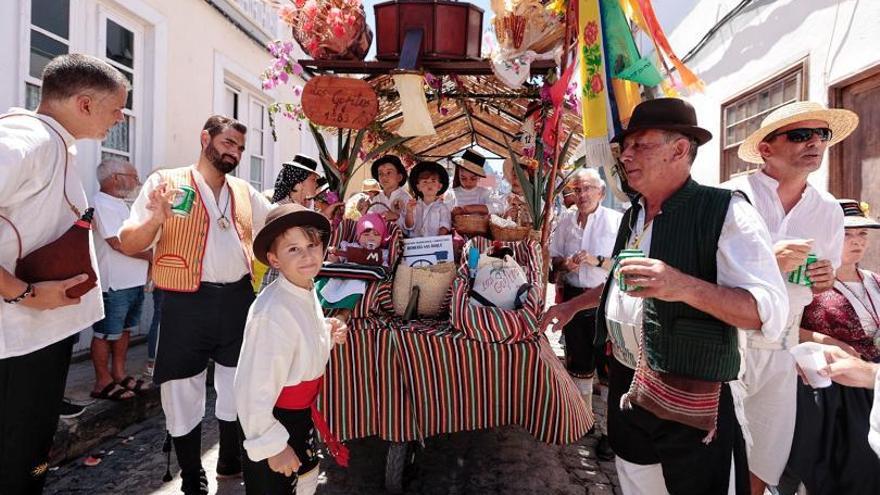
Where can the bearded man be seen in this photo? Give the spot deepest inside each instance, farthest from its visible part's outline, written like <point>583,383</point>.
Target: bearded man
<point>202,261</point>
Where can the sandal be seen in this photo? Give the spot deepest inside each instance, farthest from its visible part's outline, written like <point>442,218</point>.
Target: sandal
<point>136,386</point>
<point>113,391</point>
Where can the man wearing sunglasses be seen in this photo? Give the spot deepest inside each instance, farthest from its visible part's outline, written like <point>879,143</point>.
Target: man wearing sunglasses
<point>789,146</point>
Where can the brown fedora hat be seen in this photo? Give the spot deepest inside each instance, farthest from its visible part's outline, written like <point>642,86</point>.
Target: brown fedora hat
<point>284,217</point>
<point>668,114</point>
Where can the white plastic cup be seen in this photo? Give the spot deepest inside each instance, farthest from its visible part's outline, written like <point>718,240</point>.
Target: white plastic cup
<point>810,356</point>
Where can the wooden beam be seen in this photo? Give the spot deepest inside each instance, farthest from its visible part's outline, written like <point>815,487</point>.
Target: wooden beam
<point>461,68</point>
<point>444,143</point>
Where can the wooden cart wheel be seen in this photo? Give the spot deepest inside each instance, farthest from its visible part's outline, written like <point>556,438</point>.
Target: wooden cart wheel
<point>395,462</point>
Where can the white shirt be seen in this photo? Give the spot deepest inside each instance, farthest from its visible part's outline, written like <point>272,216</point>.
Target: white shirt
<point>745,260</point>
<point>286,341</point>
<point>118,271</point>
<point>428,219</point>
<point>399,196</point>
<point>596,237</point>
<point>224,260</point>
<point>32,197</point>
<point>817,215</point>
<point>460,196</point>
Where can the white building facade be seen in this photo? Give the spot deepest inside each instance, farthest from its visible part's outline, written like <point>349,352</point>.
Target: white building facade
<point>186,60</point>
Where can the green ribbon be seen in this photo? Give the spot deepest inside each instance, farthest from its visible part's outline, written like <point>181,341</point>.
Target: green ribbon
<point>622,55</point>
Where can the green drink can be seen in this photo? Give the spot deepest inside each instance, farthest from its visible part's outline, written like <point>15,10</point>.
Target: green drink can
<point>799,276</point>
<point>625,254</point>
<point>183,201</point>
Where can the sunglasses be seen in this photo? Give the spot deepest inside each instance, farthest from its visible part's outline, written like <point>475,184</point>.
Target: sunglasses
<point>804,134</point>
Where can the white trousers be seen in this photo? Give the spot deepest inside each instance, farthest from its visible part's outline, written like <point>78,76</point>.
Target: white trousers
<point>647,479</point>
<point>183,400</point>
<point>765,399</point>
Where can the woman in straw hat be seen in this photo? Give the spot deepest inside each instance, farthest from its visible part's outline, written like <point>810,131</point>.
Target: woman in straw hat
<point>831,453</point>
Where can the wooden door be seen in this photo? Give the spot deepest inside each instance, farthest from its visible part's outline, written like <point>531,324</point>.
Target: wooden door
<point>855,162</point>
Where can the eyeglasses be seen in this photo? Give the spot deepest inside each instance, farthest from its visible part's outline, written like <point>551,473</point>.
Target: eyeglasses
<point>803,134</point>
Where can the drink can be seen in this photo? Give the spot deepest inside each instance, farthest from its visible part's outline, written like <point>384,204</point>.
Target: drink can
<point>183,202</point>
<point>799,276</point>
<point>624,254</point>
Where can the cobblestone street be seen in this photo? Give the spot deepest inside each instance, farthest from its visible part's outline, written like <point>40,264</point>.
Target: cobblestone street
<point>499,461</point>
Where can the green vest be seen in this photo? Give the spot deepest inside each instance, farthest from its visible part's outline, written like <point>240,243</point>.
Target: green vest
<point>678,338</point>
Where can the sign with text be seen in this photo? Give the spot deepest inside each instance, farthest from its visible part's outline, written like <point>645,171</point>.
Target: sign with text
<point>340,102</point>
<point>423,251</point>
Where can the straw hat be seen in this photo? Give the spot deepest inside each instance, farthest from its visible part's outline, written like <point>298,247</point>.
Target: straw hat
<point>857,215</point>
<point>842,123</point>
<point>473,162</point>
<point>370,185</point>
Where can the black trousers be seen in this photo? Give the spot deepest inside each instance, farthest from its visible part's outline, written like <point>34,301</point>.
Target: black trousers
<point>31,391</point>
<point>201,325</point>
<point>689,465</point>
<point>580,354</point>
<point>259,479</point>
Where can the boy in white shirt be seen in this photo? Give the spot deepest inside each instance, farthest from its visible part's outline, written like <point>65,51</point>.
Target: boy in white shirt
<point>467,195</point>
<point>428,215</point>
<point>286,347</point>
<point>392,176</point>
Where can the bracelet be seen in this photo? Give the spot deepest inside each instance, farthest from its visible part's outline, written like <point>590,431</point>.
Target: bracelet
<point>600,260</point>
<point>28,291</point>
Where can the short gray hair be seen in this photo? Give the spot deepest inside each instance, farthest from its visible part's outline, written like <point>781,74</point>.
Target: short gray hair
<point>110,166</point>
<point>692,141</point>
<point>72,74</point>
<point>587,173</point>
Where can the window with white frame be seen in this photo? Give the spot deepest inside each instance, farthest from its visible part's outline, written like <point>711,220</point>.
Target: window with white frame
<point>249,109</point>
<point>742,115</point>
<point>121,49</point>
<point>49,37</point>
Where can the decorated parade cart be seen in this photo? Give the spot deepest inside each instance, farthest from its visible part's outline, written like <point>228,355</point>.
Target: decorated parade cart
<point>439,87</point>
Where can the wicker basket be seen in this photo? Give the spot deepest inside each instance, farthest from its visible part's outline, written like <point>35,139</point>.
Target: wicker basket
<point>509,234</point>
<point>434,283</point>
<point>471,224</point>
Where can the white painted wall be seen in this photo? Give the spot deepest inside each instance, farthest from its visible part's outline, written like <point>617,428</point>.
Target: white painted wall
<point>188,49</point>
<point>837,38</point>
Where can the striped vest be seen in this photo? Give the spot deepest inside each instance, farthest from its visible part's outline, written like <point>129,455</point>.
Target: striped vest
<point>177,260</point>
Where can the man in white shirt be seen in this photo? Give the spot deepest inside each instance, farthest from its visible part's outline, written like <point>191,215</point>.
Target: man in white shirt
<point>580,249</point>
<point>122,282</point>
<point>202,261</point>
<point>802,220</point>
<point>707,267</point>
<point>82,98</point>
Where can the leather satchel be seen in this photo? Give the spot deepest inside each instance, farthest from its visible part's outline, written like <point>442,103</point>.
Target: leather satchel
<point>65,257</point>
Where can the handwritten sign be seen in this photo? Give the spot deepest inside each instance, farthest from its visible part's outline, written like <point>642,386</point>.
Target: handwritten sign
<point>340,102</point>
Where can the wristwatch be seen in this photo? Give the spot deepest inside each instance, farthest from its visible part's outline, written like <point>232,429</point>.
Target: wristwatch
<point>599,260</point>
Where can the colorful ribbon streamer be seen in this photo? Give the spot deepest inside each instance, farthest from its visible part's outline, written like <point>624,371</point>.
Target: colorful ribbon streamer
<point>621,54</point>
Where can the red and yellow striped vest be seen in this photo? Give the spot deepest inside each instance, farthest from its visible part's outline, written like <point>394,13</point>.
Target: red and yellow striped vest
<point>177,261</point>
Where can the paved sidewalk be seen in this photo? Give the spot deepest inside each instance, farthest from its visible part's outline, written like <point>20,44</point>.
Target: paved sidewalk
<point>102,419</point>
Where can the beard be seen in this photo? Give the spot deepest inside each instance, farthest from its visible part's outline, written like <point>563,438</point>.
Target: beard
<point>223,162</point>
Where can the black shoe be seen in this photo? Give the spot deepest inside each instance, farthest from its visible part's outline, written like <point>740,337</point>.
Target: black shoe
<point>189,458</point>
<point>70,410</point>
<point>603,449</point>
<point>229,458</point>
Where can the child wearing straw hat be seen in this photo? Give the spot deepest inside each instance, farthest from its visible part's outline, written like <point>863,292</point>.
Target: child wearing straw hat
<point>467,195</point>
<point>287,344</point>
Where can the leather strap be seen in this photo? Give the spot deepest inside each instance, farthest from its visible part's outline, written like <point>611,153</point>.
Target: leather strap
<point>73,207</point>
